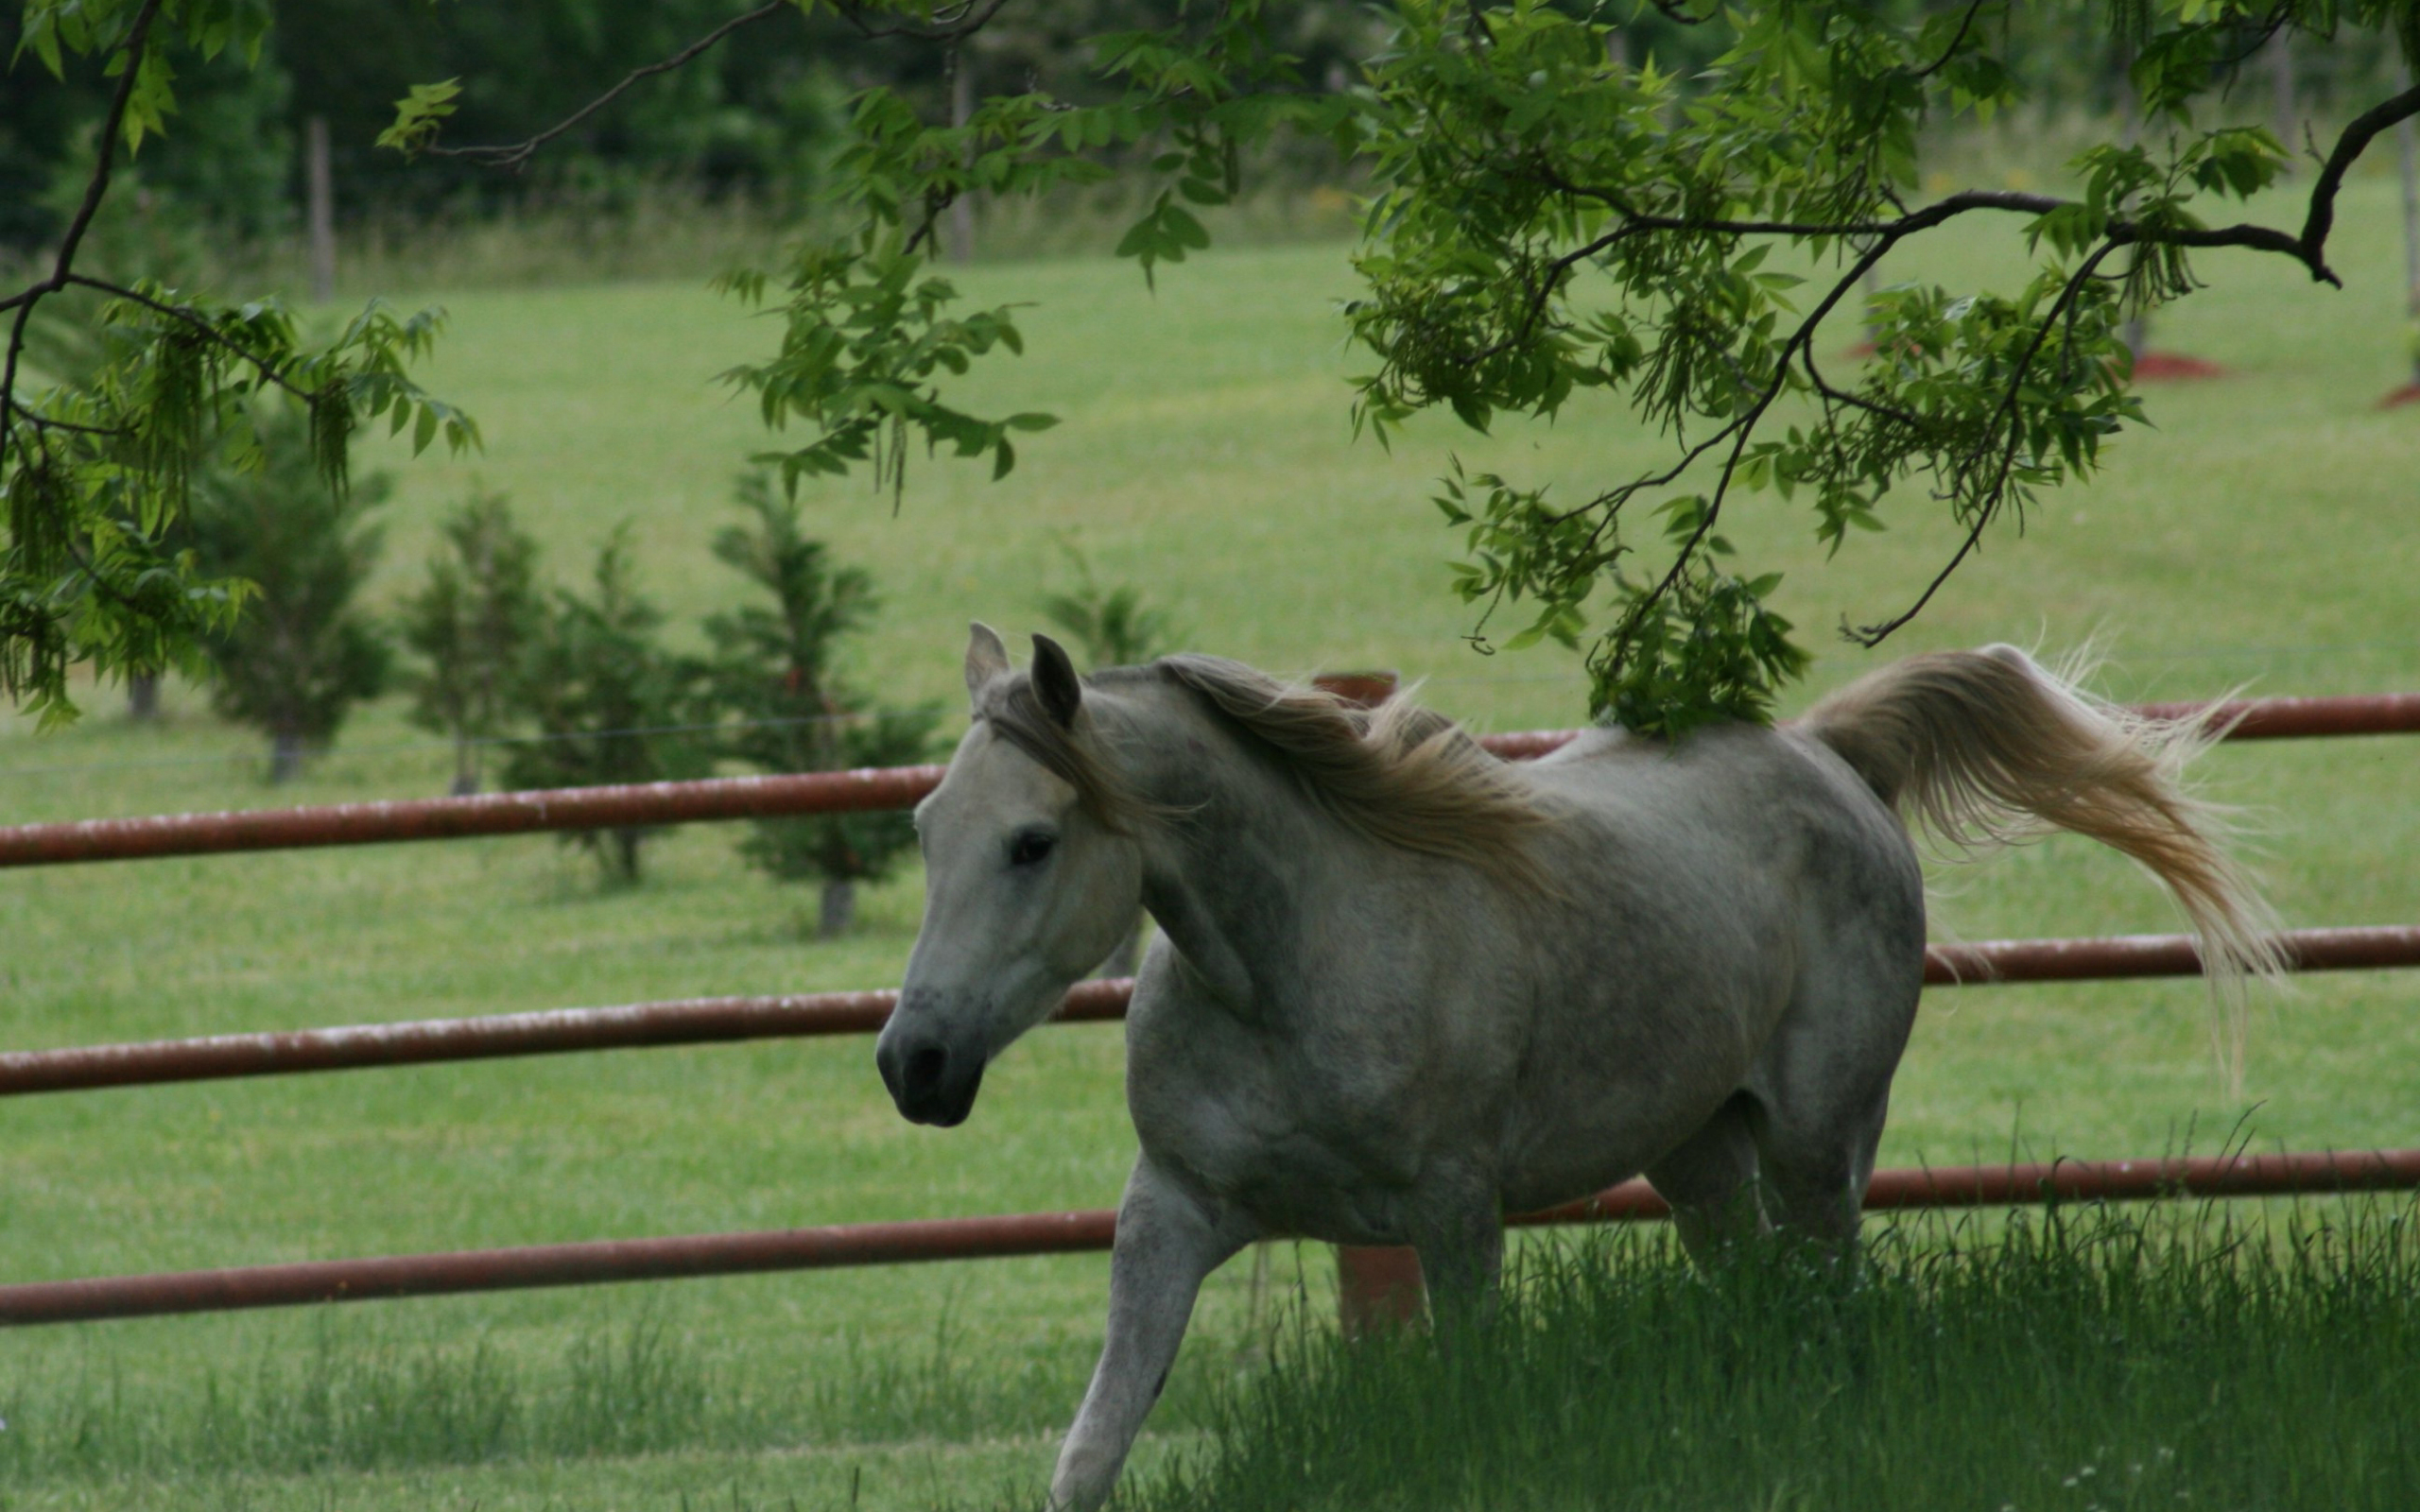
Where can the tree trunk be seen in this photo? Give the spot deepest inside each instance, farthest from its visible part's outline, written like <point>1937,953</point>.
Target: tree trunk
<point>2407,157</point>
<point>285,755</point>
<point>622,849</point>
<point>142,697</point>
<point>320,211</point>
<point>466,769</point>
<point>838,914</point>
<point>2281,88</point>
<point>962,109</point>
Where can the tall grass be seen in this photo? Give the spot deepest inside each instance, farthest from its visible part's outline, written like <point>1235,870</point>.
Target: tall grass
<point>643,1388</point>
<point>2082,1359</point>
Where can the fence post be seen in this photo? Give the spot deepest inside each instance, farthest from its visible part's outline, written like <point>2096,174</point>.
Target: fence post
<point>961,110</point>
<point>2408,165</point>
<point>321,210</point>
<point>1377,1286</point>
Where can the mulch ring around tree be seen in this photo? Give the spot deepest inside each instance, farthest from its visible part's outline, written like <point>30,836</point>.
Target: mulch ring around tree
<point>2173,366</point>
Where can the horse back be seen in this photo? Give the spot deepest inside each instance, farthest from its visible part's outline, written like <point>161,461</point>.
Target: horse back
<point>1703,882</point>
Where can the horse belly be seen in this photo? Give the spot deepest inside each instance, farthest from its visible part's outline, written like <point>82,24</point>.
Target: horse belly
<point>1609,1089</point>
<point>1290,1175</point>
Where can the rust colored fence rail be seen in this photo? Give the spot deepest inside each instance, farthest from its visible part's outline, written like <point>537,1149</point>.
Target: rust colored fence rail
<point>715,1021</point>
<point>459,819</point>
<point>2119,958</point>
<point>557,1031</point>
<point>2376,714</point>
<point>737,798</point>
<point>1059,1233</point>
<point>2002,1186</point>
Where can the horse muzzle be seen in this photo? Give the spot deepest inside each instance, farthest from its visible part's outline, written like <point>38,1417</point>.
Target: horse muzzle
<point>930,1081</point>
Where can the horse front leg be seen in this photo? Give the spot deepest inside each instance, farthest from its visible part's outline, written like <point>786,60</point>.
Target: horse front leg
<point>1167,1241</point>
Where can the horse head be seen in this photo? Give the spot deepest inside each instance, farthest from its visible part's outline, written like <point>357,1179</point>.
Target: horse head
<point>1031,881</point>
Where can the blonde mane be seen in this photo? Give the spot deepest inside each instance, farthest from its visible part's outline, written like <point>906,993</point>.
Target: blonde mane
<point>1401,775</point>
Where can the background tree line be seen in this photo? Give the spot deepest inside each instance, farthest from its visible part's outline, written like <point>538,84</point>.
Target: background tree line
<point>753,121</point>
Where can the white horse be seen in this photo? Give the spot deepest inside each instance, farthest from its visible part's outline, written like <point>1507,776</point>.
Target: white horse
<point>1402,989</point>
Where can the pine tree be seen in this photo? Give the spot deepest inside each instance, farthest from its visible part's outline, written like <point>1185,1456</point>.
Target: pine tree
<point>1109,624</point>
<point>605,695</point>
<point>473,622</point>
<point>773,672</point>
<point>301,655</point>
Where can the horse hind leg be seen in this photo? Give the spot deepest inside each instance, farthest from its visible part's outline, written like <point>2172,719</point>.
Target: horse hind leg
<point>1815,1171</point>
<point>1711,1182</point>
<point>1821,1091</point>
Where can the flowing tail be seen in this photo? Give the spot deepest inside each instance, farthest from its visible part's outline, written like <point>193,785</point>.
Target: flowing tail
<point>1987,748</point>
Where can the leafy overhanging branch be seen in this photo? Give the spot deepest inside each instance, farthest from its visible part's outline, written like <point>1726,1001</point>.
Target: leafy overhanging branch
<point>133,55</point>
<point>1551,228</point>
<point>96,467</point>
<point>422,113</point>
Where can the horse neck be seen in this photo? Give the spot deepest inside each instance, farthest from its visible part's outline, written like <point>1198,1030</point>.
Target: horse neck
<point>1240,860</point>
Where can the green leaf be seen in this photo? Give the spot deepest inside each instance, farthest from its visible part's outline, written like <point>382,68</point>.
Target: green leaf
<point>1184,227</point>
<point>419,115</point>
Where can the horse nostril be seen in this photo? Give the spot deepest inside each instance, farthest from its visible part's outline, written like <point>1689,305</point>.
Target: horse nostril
<point>924,1069</point>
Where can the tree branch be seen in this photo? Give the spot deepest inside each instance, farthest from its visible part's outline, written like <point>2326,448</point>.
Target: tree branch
<point>1739,429</point>
<point>193,320</point>
<point>970,18</point>
<point>1672,10</point>
<point>40,422</point>
<point>1966,23</point>
<point>1869,636</point>
<point>138,37</point>
<point>2309,247</point>
<point>517,155</point>
<point>2350,146</point>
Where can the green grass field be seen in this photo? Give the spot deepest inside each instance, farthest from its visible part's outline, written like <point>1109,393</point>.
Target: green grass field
<point>2261,532</point>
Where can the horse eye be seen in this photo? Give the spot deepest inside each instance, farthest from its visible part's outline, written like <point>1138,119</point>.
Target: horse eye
<point>1030,848</point>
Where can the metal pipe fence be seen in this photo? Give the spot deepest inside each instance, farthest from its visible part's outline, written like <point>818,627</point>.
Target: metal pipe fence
<point>721,1020</point>
<point>1090,1232</point>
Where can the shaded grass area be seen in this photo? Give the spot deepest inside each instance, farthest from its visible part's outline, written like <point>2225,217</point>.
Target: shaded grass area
<point>2081,1359</point>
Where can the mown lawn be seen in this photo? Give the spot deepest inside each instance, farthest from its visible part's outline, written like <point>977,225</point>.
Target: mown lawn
<point>2262,533</point>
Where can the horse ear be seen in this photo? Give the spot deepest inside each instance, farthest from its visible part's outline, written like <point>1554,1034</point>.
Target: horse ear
<point>986,658</point>
<point>1055,682</point>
